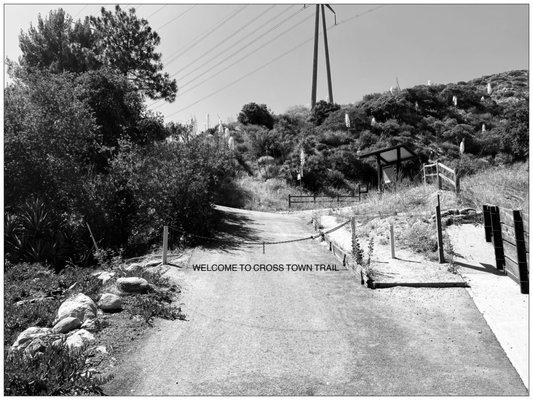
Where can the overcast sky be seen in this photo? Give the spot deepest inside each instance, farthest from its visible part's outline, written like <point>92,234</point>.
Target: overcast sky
<point>414,43</point>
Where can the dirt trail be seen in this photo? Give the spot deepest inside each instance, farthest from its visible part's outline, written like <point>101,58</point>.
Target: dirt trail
<point>310,333</point>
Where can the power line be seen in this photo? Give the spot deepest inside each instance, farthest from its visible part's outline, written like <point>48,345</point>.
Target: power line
<point>244,57</point>
<point>242,77</point>
<point>270,62</point>
<point>206,53</point>
<point>217,63</point>
<point>177,17</point>
<point>79,12</point>
<point>201,37</point>
<point>156,11</point>
<point>214,57</point>
<point>198,39</point>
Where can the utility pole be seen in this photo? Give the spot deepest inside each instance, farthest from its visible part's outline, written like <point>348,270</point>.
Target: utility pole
<point>330,89</point>
<point>315,59</point>
<point>315,54</point>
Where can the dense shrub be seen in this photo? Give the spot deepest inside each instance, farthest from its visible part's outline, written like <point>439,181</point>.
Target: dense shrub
<point>256,114</point>
<point>321,111</point>
<point>53,372</point>
<point>170,184</point>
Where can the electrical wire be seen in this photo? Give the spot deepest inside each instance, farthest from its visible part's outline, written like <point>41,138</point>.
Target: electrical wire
<point>271,61</point>
<point>242,77</point>
<point>156,11</point>
<point>79,12</point>
<point>177,17</point>
<point>242,58</point>
<point>239,50</point>
<point>248,44</point>
<point>207,52</point>
<point>201,37</point>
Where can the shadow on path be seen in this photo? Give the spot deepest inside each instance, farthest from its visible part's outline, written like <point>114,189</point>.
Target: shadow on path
<point>230,231</point>
<point>487,268</point>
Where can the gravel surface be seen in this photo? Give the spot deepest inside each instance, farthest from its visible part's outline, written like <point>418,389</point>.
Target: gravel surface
<point>310,333</point>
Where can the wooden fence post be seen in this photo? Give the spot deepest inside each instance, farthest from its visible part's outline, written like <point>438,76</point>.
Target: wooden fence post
<point>289,201</point>
<point>457,183</point>
<point>352,223</point>
<point>424,171</point>
<point>165,244</point>
<point>497,237</point>
<point>521,252</point>
<point>486,223</point>
<point>439,231</point>
<point>439,182</point>
<point>392,254</point>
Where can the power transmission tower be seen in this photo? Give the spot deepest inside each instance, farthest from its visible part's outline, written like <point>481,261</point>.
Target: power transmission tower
<point>320,7</point>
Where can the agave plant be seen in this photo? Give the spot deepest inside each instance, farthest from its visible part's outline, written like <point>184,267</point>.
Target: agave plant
<point>34,234</point>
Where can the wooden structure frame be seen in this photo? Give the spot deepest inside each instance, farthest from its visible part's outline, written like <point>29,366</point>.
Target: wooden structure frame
<point>393,155</point>
<point>442,173</point>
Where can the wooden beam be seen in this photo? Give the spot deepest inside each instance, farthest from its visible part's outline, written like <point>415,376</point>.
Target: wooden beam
<point>380,172</point>
<point>398,163</point>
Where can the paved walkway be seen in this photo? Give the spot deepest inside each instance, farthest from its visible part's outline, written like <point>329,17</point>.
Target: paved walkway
<point>312,332</point>
<point>497,296</point>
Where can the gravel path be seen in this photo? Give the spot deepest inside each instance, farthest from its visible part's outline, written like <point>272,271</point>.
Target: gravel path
<point>310,333</point>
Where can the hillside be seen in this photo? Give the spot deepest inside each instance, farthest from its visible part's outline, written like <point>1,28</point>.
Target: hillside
<point>493,122</point>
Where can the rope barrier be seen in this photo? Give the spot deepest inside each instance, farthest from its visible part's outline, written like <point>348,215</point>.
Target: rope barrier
<point>262,243</point>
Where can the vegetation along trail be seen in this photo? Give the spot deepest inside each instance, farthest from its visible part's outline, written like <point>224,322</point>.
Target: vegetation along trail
<point>310,332</point>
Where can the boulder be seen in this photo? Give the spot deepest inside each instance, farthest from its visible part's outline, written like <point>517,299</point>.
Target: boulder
<point>132,266</point>
<point>35,346</point>
<point>152,263</point>
<point>101,349</point>
<point>79,339</point>
<point>89,325</point>
<point>104,276</point>
<point>30,335</point>
<point>133,285</point>
<point>110,302</point>
<point>66,324</point>
<point>78,306</point>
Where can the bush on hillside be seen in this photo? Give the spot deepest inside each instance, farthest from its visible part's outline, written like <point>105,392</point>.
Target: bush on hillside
<point>256,114</point>
<point>321,111</point>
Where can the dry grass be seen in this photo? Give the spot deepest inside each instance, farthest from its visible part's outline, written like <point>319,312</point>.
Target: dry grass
<point>505,186</point>
<point>253,193</point>
<point>502,186</point>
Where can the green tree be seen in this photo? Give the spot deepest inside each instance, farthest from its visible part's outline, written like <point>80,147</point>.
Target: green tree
<point>256,114</point>
<point>57,44</point>
<point>118,41</point>
<point>127,44</point>
<point>49,133</point>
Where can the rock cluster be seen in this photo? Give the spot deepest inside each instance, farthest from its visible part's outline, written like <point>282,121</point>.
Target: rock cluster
<point>77,316</point>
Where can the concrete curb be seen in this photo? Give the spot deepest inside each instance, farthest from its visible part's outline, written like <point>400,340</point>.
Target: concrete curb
<point>358,271</point>
<point>384,285</point>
